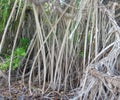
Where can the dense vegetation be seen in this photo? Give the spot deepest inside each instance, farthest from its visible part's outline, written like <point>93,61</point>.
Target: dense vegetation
<point>58,49</point>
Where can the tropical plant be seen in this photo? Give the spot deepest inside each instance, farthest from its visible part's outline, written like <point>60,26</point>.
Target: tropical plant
<point>72,48</point>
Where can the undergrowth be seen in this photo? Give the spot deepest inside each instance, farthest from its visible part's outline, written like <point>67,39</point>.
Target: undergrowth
<point>19,53</point>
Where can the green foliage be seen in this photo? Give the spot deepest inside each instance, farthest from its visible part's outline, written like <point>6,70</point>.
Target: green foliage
<point>4,13</point>
<point>18,54</point>
<point>81,54</point>
<point>24,42</point>
<point>5,8</point>
<point>20,51</point>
